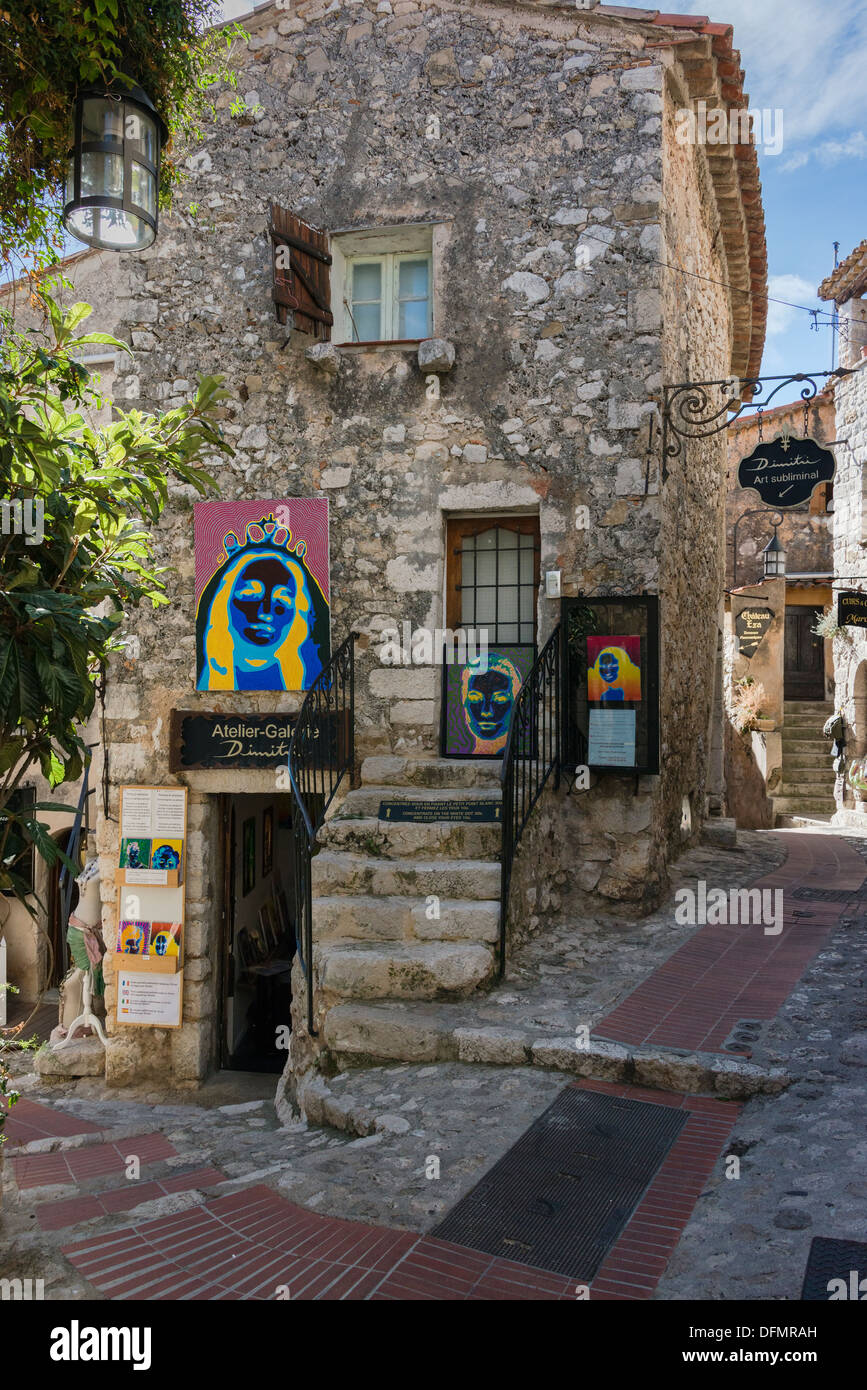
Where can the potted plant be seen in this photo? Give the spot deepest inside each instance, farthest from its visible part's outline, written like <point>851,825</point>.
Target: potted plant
<point>748,698</point>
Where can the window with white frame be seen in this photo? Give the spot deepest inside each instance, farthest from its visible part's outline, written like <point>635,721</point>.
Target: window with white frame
<point>384,279</point>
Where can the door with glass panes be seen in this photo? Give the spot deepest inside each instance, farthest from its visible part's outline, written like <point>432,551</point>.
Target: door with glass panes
<point>492,577</point>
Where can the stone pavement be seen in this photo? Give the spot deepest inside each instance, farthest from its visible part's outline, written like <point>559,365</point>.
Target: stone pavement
<point>802,1153</point>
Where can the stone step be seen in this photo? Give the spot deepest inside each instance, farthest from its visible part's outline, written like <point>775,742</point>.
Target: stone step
<point>818,760</point>
<point>413,1032</point>
<point>412,839</point>
<point>453,773</point>
<point>423,970</point>
<point>825,707</point>
<point>796,743</point>
<point>805,721</point>
<point>809,789</point>
<point>344,917</point>
<point>804,805</point>
<point>813,776</point>
<point>366,800</point>
<point>339,872</point>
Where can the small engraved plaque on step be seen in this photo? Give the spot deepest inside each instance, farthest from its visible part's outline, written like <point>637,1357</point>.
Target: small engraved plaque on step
<point>455,809</point>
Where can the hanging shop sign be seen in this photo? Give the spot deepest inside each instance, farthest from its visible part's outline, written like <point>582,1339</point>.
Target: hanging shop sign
<point>611,682</point>
<point>229,740</point>
<point>263,618</point>
<point>751,624</point>
<point>851,608</point>
<point>786,471</point>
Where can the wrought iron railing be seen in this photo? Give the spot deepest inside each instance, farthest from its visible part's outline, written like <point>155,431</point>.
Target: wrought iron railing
<point>533,753</point>
<point>321,754</point>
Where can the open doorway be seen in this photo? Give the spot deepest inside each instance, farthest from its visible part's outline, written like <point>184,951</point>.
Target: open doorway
<point>258,944</point>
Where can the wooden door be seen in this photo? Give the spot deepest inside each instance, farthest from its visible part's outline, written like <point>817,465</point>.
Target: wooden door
<point>492,577</point>
<point>804,676</point>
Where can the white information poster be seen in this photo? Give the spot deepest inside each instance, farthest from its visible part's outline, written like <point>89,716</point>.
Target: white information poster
<point>611,741</point>
<point>152,811</point>
<point>154,999</point>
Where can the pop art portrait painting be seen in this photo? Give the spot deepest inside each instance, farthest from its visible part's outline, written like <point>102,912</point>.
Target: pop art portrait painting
<point>614,670</point>
<point>262,594</point>
<point>478,700</point>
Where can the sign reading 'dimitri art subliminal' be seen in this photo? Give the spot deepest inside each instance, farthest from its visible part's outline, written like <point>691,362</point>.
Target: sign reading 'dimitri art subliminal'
<point>851,608</point>
<point>786,471</point>
<point>751,624</point>
<point>262,594</point>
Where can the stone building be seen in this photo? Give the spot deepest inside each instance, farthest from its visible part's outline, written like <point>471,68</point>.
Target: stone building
<point>781,770</point>
<point>847,288</point>
<point>570,256</point>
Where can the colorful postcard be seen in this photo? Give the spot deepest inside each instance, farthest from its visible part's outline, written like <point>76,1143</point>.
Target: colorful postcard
<point>165,939</point>
<point>478,700</point>
<point>614,670</point>
<point>135,854</point>
<point>133,938</point>
<point>166,854</point>
<point>263,614</point>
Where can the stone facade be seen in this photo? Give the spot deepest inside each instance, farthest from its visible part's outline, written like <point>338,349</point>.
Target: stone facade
<point>539,143</point>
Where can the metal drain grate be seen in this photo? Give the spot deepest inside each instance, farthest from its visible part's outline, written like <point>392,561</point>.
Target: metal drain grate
<point>834,1259</point>
<point>560,1197</point>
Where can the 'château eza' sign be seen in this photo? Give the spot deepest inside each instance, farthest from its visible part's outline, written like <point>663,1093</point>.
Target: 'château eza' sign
<point>851,609</point>
<point>229,740</point>
<point>786,471</point>
<point>751,624</point>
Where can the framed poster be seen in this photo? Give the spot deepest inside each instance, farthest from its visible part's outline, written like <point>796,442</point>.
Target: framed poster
<point>267,840</point>
<point>478,699</point>
<point>248,856</point>
<point>263,618</point>
<point>611,683</point>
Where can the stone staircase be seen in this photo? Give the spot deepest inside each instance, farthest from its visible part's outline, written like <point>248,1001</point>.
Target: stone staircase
<point>807,788</point>
<point>406,910</point>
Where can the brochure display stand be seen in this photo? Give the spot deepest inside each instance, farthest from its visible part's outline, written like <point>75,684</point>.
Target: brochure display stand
<point>149,944</point>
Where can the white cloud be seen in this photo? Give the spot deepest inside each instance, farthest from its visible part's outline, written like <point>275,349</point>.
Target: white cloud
<point>796,290</point>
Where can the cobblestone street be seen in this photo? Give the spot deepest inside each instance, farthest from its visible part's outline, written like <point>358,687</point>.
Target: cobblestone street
<point>430,1132</point>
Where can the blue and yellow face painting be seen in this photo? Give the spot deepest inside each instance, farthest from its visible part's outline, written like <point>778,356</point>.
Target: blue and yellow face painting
<point>262,621</point>
<point>489,691</point>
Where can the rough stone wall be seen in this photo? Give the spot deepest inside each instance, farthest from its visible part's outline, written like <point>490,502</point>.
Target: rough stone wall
<point>806,532</point>
<point>850,565</point>
<point>556,138</point>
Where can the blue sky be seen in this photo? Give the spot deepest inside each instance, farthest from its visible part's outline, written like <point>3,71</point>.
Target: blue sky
<point>807,59</point>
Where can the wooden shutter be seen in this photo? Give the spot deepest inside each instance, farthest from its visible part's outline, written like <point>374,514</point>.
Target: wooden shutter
<point>303,285</point>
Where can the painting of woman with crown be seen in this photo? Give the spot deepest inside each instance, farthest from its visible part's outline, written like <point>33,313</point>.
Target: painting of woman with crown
<point>262,613</point>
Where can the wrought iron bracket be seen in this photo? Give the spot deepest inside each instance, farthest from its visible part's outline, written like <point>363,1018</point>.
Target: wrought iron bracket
<point>701,409</point>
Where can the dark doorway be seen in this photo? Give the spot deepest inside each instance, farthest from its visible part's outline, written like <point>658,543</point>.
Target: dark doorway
<point>258,934</point>
<point>805,656</point>
<point>58,963</point>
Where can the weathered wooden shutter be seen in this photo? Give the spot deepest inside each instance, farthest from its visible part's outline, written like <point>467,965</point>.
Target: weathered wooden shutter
<point>301,278</point>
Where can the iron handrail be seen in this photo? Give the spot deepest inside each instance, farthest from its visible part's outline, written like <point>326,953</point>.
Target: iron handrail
<point>321,753</point>
<point>533,751</point>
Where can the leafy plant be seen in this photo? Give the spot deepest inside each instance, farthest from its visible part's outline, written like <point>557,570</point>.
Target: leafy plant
<point>52,48</point>
<point>827,625</point>
<point>747,702</point>
<point>63,598</point>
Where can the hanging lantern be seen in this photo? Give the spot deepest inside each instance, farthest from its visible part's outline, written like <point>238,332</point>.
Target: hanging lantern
<point>774,558</point>
<point>112,184</point>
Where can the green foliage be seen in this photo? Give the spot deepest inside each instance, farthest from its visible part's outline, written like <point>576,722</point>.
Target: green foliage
<point>49,49</point>
<point>63,598</point>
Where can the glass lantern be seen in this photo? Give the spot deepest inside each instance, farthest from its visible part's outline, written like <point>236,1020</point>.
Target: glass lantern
<point>112,184</point>
<point>774,558</point>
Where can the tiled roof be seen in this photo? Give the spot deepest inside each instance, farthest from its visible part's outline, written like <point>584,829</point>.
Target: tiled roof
<point>722,80</point>
<point>849,280</point>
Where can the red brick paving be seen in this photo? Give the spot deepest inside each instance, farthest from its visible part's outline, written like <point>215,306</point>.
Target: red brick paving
<point>28,1120</point>
<point>54,1216</point>
<point>72,1166</point>
<point>727,973</point>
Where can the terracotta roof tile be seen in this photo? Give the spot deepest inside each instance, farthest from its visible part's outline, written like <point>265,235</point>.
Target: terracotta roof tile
<point>849,279</point>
